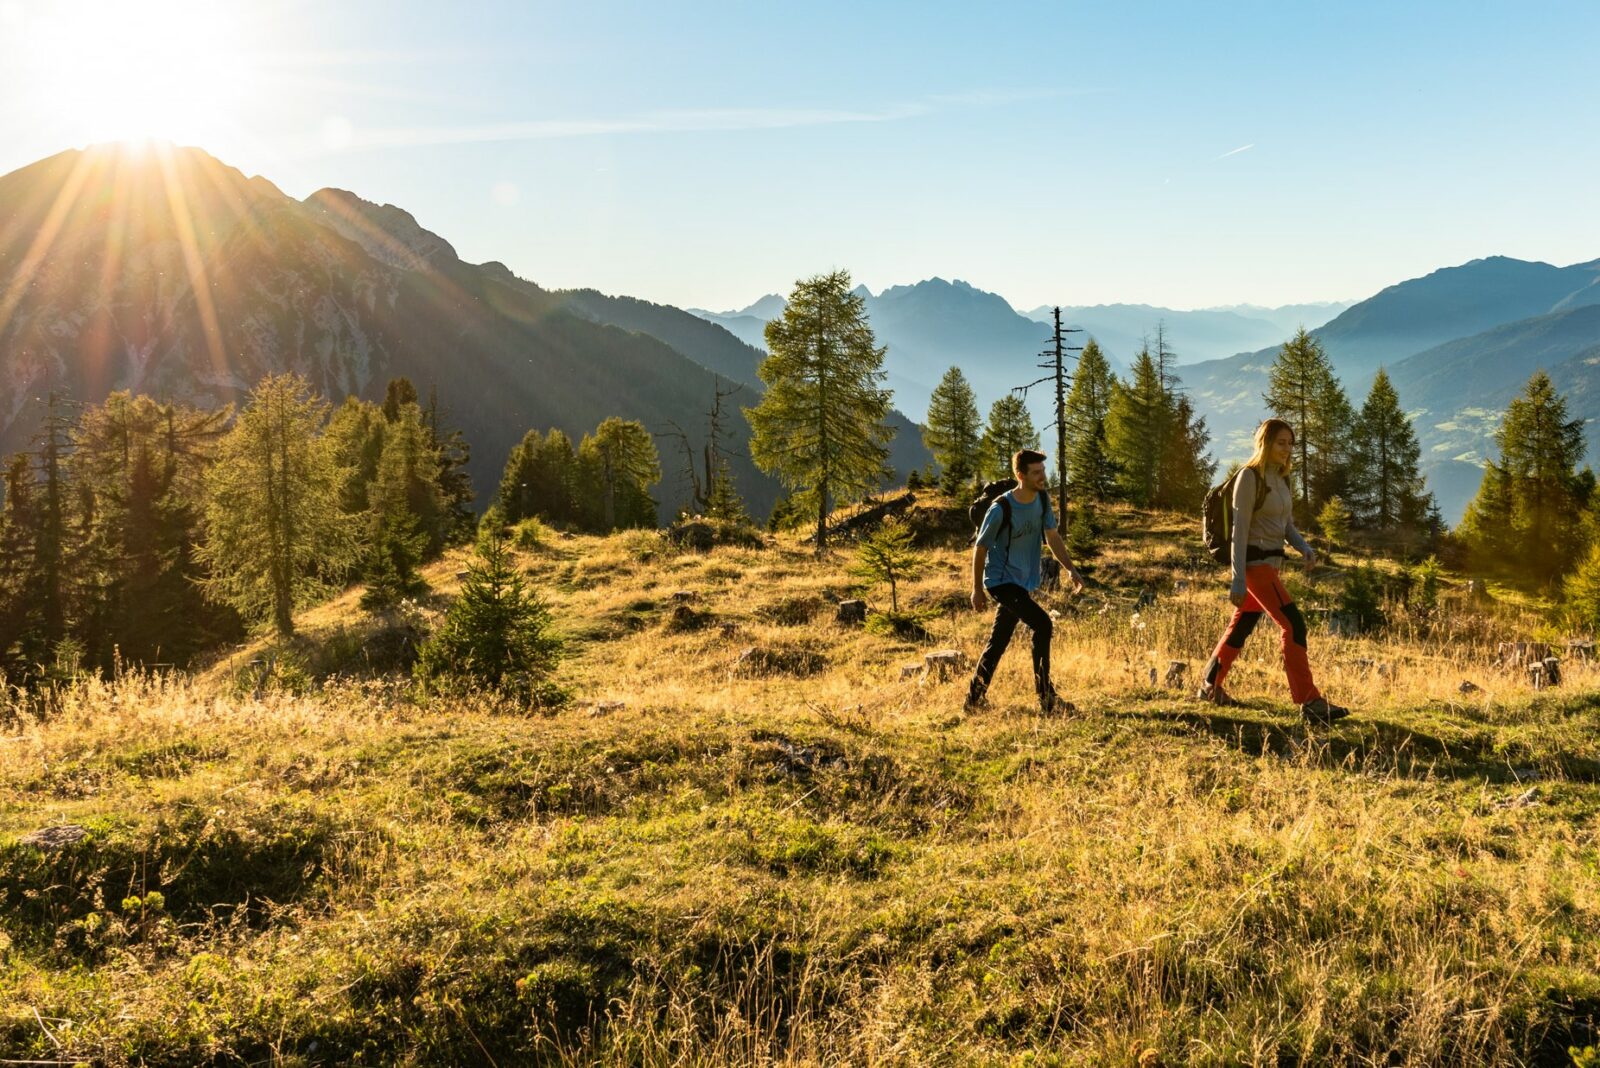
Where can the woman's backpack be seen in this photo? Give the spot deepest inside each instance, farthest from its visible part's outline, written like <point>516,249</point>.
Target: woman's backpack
<point>1216,527</point>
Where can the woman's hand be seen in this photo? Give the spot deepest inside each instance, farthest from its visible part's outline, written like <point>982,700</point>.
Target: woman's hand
<point>1236,598</point>
<point>979,601</point>
<point>1311,561</point>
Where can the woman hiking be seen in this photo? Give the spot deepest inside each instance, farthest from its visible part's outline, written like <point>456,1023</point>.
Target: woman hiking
<point>1258,537</point>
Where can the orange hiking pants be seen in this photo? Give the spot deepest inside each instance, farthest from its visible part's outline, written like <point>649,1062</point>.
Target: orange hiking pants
<point>1265,592</point>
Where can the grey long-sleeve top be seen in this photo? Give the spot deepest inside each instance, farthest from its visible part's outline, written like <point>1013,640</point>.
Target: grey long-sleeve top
<point>1266,528</point>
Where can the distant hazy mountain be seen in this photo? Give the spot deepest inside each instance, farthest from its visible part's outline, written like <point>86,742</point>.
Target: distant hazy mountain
<point>180,277</point>
<point>929,327</point>
<point>1408,320</point>
<point>1289,317</point>
<point>1120,329</point>
<point>1458,391</point>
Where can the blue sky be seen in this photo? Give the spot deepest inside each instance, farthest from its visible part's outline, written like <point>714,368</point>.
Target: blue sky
<point>705,153</point>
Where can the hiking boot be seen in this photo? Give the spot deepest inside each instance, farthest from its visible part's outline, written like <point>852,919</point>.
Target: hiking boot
<point>1053,704</point>
<point>975,702</point>
<point>1321,711</point>
<point>1215,695</point>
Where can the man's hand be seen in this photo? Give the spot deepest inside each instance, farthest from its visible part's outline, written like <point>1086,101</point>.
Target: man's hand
<point>979,601</point>
<point>1236,598</point>
<point>1310,561</point>
<point>1077,579</point>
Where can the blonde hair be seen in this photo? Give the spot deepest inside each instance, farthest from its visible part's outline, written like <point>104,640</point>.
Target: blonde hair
<point>1265,433</point>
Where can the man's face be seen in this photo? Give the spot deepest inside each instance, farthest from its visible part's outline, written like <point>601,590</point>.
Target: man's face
<point>1035,478</point>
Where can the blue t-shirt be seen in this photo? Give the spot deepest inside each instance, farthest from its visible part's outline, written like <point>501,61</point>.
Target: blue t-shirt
<point>1017,562</point>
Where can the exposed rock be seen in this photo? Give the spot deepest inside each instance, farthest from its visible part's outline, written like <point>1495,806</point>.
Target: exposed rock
<point>1469,687</point>
<point>56,837</point>
<point>684,597</point>
<point>685,618</point>
<point>605,708</point>
<point>1530,796</point>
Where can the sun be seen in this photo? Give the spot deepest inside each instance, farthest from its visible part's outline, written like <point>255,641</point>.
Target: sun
<point>133,70</point>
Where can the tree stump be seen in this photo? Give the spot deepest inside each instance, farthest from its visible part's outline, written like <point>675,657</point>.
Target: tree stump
<point>1536,676</point>
<point>1552,670</point>
<point>605,708</point>
<point>1177,670</point>
<point>1580,649</point>
<point>684,597</point>
<point>940,665</point>
<point>910,671</point>
<point>1469,687</point>
<point>851,612</point>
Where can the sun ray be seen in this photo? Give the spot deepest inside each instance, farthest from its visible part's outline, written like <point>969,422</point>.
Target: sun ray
<point>22,277</point>
<point>194,264</point>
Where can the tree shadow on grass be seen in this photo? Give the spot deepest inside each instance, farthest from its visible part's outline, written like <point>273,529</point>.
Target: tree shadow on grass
<point>1373,746</point>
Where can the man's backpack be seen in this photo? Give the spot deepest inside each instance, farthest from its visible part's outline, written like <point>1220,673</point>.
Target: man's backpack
<point>991,492</point>
<point>1216,529</point>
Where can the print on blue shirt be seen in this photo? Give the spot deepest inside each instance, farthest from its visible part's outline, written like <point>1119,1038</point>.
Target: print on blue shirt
<point>1016,562</point>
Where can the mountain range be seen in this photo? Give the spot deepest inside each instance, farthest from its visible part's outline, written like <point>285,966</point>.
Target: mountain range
<point>934,324</point>
<point>177,275</point>
<point>1458,343</point>
<point>173,274</point>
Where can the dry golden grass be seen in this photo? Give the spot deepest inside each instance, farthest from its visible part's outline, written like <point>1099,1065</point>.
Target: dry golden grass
<point>840,868</point>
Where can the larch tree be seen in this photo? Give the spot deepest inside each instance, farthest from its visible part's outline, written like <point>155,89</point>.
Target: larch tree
<point>1008,431</point>
<point>623,459</point>
<point>1303,391</point>
<point>953,430</point>
<point>1528,512</point>
<point>820,426</point>
<point>276,537</point>
<point>1386,488</point>
<point>1137,423</point>
<point>1090,473</point>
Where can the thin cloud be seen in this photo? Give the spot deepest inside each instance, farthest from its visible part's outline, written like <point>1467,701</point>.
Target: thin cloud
<point>686,121</point>
<point>1235,152</point>
<point>701,120</point>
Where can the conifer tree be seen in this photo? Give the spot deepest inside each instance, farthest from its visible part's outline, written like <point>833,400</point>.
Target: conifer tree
<point>396,395</point>
<point>1185,473</point>
<point>889,555</point>
<point>1527,515</point>
<point>1091,475</point>
<point>139,467</point>
<point>622,458</point>
<point>722,500</point>
<point>1303,391</point>
<point>1009,430</point>
<point>820,426</point>
<point>355,437</point>
<point>21,637</point>
<point>498,633</point>
<point>1137,427</point>
<point>407,479</point>
<point>455,484</point>
<point>276,537</point>
<point>1386,491</point>
<point>952,433</point>
<point>1581,592</point>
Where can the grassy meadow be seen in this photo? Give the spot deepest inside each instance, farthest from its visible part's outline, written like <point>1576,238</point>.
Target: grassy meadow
<point>825,862</point>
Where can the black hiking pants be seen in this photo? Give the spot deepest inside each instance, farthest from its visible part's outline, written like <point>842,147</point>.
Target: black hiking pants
<point>1015,606</point>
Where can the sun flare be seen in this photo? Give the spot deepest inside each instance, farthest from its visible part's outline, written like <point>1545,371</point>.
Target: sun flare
<point>130,71</point>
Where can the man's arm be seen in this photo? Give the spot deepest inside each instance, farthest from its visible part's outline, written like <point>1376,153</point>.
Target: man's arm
<point>1058,547</point>
<point>980,553</point>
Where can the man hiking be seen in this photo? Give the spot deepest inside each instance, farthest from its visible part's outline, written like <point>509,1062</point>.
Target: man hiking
<point>1006,558</point>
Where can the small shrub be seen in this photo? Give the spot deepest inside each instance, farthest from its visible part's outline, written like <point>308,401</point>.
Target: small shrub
<point>1360,598</point>
<point>530,534</point>
<point>701,534</point>
<point>497,634</point>
<point>888,555</point>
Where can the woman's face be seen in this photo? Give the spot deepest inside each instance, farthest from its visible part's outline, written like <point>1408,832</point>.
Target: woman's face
<point>1282,445</point>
